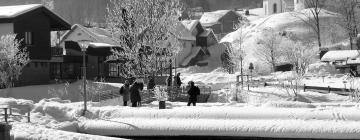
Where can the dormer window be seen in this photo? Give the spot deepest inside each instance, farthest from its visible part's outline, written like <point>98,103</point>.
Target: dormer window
<point>28,38</point>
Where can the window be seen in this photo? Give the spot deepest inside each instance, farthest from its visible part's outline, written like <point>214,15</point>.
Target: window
<point>275,8</point>
<point>28,38</point>
<point>114,70</point>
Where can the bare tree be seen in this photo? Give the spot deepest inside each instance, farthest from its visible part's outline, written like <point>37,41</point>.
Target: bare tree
<point>237,52</point>
<point>350,19</point>
<point>269,50</point>
<point>145,29</point>
<point>300,55</point>
<point>312,17</point>
<point>13,59</point>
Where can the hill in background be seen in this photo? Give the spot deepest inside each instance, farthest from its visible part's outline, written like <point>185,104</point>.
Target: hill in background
<point>94,11</point>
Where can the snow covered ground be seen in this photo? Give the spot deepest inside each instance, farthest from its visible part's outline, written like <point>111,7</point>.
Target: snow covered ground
<point>259,112</point>
<point>272,119</point>
<point>288,22</point>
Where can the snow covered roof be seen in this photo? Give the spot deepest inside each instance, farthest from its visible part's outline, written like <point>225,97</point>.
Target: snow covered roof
<point>10,12</point>
<point>206,32</point>
<point>340,55</point>
<point>211,18</point>
<point>190,24</point>
<point>100,37</point>
<point>183,33</point>
<point>16,10</point>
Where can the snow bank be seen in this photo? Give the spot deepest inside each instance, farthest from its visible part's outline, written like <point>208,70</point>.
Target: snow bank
<point>57,110</point>
<point>12,101</point>
<point>23,131</point>
<point>210,127</point>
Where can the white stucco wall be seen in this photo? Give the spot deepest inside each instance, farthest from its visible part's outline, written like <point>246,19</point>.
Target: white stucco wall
<point>269,4</point>
<point>6,28</point>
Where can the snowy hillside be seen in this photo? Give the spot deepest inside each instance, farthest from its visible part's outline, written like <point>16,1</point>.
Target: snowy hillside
<point>290,23</point>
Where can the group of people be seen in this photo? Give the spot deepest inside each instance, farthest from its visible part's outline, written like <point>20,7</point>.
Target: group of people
<point>176,82</point>
<point>131,92</point>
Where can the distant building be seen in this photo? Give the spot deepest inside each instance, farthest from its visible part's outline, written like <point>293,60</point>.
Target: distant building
<point>195,41</point>
<point>221,22</point>
<point>279,6</point>
<point>32,23</point>
<point>347,61</point>
<point>71,59</point>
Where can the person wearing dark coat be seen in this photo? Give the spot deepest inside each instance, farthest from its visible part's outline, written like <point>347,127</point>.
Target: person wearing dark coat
<point>135,90</point>
<point>151,83</point>
<point>125,92</point>
<point>193,92</point>
<point>177,80</point>
<point>169,80</point>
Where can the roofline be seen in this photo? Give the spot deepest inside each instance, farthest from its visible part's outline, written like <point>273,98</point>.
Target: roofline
<point>58,18</point>
<point>73,28</point>
<point>65,23</point>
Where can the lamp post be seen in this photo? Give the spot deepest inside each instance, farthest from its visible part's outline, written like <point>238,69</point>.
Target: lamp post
<point>84,44</point>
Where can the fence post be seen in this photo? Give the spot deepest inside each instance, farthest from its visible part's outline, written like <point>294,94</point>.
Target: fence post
<point>5,131</point>
<point>328,89</point>
<point>248,87</point>
<point>6,115</point>
<point>304,87</point>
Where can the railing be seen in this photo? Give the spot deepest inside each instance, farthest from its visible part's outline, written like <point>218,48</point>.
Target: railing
<point>10,108</point>
<point>56,51</point>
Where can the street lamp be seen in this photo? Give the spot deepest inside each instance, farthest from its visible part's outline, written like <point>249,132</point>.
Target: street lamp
<point>84,44</point>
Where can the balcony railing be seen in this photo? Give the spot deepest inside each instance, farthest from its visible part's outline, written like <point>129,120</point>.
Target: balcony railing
<point>56,51</point>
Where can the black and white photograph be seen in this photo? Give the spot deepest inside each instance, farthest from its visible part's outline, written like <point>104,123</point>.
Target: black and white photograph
<point>179,69</point>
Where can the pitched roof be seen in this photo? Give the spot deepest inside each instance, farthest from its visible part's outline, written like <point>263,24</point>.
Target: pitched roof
<point>211,18</point>
<point>190,24</point>
<point>206,32</point>
<point>16,10</point>
<point>182,32</point>
<point>99,36</point>
<point>8,13</point>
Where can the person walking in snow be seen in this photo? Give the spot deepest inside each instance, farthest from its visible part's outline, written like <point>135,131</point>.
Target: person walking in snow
<point>193,92</point>
<point>125,92</point>
<point>151,83</point>
<point>168,81</point>
<point>135,90</point>
<point>177,80</point>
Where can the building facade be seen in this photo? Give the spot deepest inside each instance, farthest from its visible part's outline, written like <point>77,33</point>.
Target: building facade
<point>32,24</point>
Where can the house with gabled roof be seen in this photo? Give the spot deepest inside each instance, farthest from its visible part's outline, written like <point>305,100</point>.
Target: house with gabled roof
<point>221,21</point>
<point>32,24</point>
<point>195,41</point>
<point>99,48</point>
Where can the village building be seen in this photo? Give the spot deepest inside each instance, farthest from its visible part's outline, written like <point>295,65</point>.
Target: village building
<point>195,41</point>
<point>32,24</point>
<point>99,49</point>
<point>221,22</point>
<point>346,61</point>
